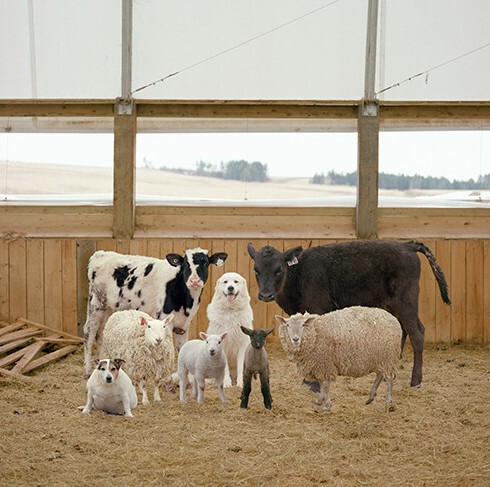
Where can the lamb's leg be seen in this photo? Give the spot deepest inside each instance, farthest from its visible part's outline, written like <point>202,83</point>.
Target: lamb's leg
<point>142,389</point>
<point>183,382</point>
<point>201,383</point>
<point>325,395</point>
<point>265,388</point>
<point>239,367</point>
<point>219,383</point>
<point>194,386</point>
<point>247,388</point>
<point>374,388</point>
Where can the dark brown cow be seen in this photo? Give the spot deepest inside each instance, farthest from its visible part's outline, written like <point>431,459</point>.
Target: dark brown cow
<point>374,273</point>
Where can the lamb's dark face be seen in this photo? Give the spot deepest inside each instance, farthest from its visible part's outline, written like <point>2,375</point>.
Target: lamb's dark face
<point>271,268</point>
<point>257,337</point>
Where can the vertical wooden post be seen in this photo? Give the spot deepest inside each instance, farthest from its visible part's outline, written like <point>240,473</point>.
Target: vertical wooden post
<point>368,138</point>
<point>124,206</point>
<point>367,170</point>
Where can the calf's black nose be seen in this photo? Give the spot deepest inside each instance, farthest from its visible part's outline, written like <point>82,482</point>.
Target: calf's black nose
<point>267,297</point>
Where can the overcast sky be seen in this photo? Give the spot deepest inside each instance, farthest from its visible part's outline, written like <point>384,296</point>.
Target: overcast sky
<point>455,155</point>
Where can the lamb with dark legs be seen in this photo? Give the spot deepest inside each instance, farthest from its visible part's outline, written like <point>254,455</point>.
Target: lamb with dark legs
<point>256,362</point>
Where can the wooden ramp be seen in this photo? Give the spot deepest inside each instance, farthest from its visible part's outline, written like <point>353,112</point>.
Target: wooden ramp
<point>26,345</point>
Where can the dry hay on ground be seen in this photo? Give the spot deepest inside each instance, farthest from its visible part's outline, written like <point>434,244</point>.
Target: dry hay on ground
<point>434,436</point>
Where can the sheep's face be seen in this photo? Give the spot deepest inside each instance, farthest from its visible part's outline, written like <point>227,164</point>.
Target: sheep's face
<point>296,325</point>
<point>213,343</point>
<point>156,331</point>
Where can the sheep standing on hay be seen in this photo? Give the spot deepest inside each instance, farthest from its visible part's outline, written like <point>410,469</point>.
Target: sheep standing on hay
<point>204,359</point>
<point>352,342</point>
<point>256,362</point>
<point>145,345</point>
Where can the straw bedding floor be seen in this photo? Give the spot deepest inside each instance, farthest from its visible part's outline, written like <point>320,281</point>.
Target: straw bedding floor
<point>438,435</point>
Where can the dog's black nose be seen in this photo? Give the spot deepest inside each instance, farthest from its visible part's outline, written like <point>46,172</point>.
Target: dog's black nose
<point>108,379</point>
<point>231,289</point>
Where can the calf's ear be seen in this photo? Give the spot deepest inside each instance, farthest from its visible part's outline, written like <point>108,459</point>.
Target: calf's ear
<point>291,255</point>
<point>174,259</point>
<point>218,258</point>
<point>251,250</point>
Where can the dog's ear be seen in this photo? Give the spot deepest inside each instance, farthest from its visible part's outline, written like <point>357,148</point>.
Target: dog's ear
<point>96,363</point>
<point>118,362</point>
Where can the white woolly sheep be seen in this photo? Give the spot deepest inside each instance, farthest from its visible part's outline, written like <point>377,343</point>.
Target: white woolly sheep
<point>350,342</point>
<point>204,359</point>
<point>146,346</point>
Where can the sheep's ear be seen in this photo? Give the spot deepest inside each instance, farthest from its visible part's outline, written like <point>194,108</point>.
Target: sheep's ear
<point>203,335</point>
<point>168,319</point>
<point>174,259</point>
<point>280,319</point>
<point>269,331</point>
<point>218,259</point>
<point>223,336</point>
<point>143,321</point>
<point>245,330</point>
<point>310,320</point>
<point>251,250</point>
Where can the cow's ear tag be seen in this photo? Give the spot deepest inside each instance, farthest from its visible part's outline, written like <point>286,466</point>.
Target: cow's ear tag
<point>219,262</point>
<point>293,261</point>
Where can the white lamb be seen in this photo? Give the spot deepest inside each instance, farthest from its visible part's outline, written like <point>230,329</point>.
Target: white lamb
<point>351,342</point>
<point>204,359</point>
<point>146,346</point>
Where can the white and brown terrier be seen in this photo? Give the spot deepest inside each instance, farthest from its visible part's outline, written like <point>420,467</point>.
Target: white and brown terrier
<point>110,389</point>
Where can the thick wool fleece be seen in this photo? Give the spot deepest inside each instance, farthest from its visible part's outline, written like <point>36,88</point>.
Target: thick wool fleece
<point>125,338</point>
<point>349,342</point>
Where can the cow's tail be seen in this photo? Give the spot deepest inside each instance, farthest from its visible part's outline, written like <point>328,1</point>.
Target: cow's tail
<point>438,274</point>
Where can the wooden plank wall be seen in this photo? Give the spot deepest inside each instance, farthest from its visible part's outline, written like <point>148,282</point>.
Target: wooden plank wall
<point>38,280</point>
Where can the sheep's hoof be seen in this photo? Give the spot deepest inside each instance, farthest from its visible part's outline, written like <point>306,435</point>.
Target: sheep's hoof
<point>326,409</point>
<point>319,401</point>
<point>370,400</point>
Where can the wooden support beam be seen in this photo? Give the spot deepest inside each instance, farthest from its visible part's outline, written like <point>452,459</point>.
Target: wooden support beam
<point>367,170</point>
<point>50,357</point>
<point>57,333</point>
<point>124,170</point>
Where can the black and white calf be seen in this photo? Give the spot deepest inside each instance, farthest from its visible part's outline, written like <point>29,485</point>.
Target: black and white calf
<point>158,287</point>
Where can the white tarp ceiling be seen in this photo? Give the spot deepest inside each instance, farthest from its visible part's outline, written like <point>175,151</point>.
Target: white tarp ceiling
<point>280,49</point>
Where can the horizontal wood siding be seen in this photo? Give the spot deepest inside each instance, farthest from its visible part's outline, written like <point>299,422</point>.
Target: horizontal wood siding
<point>41,279</point>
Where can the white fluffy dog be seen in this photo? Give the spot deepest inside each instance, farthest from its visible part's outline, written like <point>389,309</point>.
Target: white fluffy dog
<point>230,308</point>
<point>110,389</point>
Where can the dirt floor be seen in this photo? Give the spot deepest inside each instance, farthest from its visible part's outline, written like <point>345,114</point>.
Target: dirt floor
<point>438,435</point>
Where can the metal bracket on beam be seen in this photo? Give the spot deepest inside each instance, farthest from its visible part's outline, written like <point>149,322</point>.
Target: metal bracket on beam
<point>369,108</point>
<point>124,106</point>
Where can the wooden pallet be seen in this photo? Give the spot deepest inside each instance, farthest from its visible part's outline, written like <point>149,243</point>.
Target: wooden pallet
<point>26,345</point>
